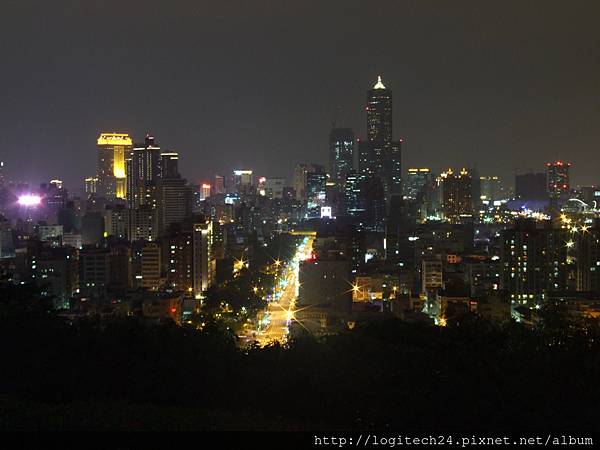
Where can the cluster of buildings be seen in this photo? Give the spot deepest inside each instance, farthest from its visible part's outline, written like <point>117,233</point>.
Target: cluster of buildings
<point>410,242</point>
<point>134,244</point>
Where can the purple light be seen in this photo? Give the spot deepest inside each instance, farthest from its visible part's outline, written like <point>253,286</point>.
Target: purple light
<point>30,200</point>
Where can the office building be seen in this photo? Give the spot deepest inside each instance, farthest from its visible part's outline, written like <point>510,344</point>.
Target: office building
<point>94,271</point>
<point>490,189</point>
<point>113,151</point>
<point>204,191</point>
<point>316,192</point>
<point>143,173</point>
<point>416,180</point>
<point>341,154</point>
<point>219,187</point>
<point>457,192</point>
<point>242,180</point>
<point>169,165</point>
<point>175,202</point>
<point>557,177</point>
<point>353,199</point>
<point>379,155</point>
<point>274,187</point>
<point>531,186</point>
<point>143,224</point>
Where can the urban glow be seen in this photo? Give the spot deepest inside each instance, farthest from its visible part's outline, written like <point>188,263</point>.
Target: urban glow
<point>30,200</point>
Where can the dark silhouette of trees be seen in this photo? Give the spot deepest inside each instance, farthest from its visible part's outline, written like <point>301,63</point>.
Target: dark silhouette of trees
<point>384,374</point>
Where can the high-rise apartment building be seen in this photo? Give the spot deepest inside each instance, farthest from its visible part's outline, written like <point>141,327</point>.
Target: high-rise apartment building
<point>204,260</point>
<point>536,258</point>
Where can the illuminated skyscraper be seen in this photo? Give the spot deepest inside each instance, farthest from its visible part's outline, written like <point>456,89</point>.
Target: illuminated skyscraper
<point>316,183</point>
<point>204,261</point>
<point>558,179</point>
<point>143,172</point>
<point>113,150</point>
<point>341,154</point>
<point>379,155</point>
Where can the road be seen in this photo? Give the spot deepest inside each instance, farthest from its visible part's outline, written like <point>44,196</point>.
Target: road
<point>275,319</point>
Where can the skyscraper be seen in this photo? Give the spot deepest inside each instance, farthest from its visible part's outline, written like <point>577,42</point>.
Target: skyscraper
<point>243,181</point>
<point>416,180</point>
<point>143,173</point>
<point>379,155</point>
<point>175,197</point>
<point>205,190</point>
<point>204,261</point>
<point>558,179</point>
<point>341,154</point>
<point>531,186</point>
<point>113,150</point>
<point>316,184</point>
<point>175,202</point>
<point>457,191</point>
<point>490,189</point>
<point>535,260</point>
<point>219,185</point>
<point>353,200</point>
<point>169,165</point>
<point>299,181</point>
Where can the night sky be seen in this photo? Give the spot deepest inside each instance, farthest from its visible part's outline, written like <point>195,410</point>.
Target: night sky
<point>256,84</point>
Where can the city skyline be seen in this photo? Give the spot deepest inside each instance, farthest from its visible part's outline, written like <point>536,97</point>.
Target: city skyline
<point>362,223</point>
<point>519,90</point>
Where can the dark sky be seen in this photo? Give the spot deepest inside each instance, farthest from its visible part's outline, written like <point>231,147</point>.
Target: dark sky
<point>256,84</point>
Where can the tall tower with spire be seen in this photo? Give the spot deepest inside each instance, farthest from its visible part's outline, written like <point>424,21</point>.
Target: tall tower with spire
<point>379,154</point>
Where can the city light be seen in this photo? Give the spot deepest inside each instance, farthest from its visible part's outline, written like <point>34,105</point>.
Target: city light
<point>30,200</point>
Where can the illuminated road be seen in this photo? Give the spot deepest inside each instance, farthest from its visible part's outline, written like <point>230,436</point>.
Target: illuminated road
<point>274,321</point>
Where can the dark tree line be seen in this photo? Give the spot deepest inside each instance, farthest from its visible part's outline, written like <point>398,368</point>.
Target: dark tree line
<point>387,374</point>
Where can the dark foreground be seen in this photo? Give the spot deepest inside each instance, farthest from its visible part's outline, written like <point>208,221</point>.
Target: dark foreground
<point>124,375</point>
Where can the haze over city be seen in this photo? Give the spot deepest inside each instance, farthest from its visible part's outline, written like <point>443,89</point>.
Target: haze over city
<point>258,83</point>
<point>361,223</point>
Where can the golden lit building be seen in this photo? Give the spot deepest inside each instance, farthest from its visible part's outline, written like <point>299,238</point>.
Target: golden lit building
<point>113,150</point>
